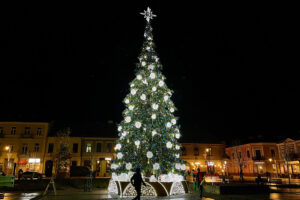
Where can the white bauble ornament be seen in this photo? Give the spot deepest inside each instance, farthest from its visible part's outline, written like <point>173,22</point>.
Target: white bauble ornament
<point>133,91</point>
<point>152,75</point>
<point>139,77</point>
<point>169,124</point>
<point>137,142</point>
<point>118,146</point>
<point>178,166</point>
<point>153,116</point>
<point>138,124</point>
<point>119,128</point>
<point>154,132</point>
<point>166,98</point>
<point>119,155</point>
<point>143,63</point>
<point>156,166</point>
<point>143,97</point>
<point>169,145</point>
<point>124,133</point>
<point>127,119</point>
<point>177,147</point>
<point>161,83</point>
<point>173,121</point>
<point>149,154</point>
<point>128,166</point>
<point>155,106</point>
<point>177,135</point>
<point>154,89</point>
<point>172,110</point>
<point>183,167</point>
<point>151,67</point>
<point>131,107</point>
<point>126,101</point>
<point>114,166</point>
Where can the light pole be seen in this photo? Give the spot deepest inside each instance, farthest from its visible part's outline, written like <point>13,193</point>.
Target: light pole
<point>7,148</point>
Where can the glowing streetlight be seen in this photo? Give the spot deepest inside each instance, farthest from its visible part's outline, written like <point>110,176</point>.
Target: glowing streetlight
<point>7,148</point>
<point>270,159</point>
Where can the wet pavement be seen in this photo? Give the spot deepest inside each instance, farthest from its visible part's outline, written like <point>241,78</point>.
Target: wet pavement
<point>20,196</point>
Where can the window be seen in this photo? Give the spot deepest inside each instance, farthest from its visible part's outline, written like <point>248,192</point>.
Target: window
<point>50,148</point>
<point>248,153</point>
<point>24,148</point>
<point>36,147</point>
<point>39,132</point>
<point>13,130</point>
<point>27,130</point>
<point>74,163</point>
<point>88,148</point>
<point>108,147</point>
<point>232,156</point>
<point>75,148</point>
<point>99,147</point>
<point>196,151</point>
<point>240,155</point>
<point>273,152</point>
<point>258,155</point>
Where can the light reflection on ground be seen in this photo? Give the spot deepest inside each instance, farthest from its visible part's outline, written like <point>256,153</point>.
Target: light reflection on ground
<point>20,196</point>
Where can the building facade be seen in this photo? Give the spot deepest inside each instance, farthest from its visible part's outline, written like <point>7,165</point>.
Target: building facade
<point>254,159</point>
<point>22,146</point>
<point>209,158</point>
<point>289,158</point>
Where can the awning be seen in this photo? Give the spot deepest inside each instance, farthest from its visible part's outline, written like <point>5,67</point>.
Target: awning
<point>22,162</point>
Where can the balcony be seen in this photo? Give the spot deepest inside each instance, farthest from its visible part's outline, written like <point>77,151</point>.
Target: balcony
<point>258,158</point>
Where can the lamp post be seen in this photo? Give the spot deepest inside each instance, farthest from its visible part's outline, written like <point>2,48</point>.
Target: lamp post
<point>7,148</point>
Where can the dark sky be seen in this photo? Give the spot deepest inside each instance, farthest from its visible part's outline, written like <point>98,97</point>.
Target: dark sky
<point>234,68</point>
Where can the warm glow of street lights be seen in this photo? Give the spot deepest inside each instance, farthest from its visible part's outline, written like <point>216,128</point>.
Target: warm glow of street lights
<point>270,159</point>
<point>7,148</point>
<point>207,149</point>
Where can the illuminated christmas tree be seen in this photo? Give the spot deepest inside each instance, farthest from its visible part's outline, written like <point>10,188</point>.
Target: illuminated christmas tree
<point>149,130</point>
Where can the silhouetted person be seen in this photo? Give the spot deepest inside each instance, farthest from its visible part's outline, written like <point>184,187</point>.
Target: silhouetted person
<point>136,180</point>
<point>20,174</point>
<point>198,178</point>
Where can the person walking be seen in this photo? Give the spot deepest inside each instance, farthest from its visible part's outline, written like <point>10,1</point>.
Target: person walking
<point>198,179</point>
<point>137,180</point>
<point>20,174</point>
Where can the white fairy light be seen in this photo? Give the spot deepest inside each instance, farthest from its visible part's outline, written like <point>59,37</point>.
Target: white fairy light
<point>154,132</point>
<point>154,89</point>
<point>119,128</point>
<point>118,146</point>
<point>173,121</point>
<point>166,98</point>
<point>161,83</point>
<point>169,145</point>
<point>133,91</point>
<point>145,82</point>
<point>183,167</point>
<point>124,133</point>
<point>169,124</point>
<point>156,166</point>
<point>177,147</point>
<point>153,116</point>
<point>177,155</point>
<point>139,77</point>
<point>128,166</point>
<point>138,124</point>
<point>114,166</point>
<point>143,97</point>
<point>152,75</point>
<point>131,107</point>
<point>151,67</point>
<point>127,119</point>
<point>149,154</point>
<point>148,48</point>
<point>177,135</point>
<point>172,110</point>
<point>155,106</point>
<point>137,142</point>
<point>119,155</point>
<point>127,101</point>
<point>132,85</point>
<point>178,166</point>
<point>143,63</point>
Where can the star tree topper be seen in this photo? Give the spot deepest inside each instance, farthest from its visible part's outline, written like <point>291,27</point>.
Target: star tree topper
<point>148,14</point>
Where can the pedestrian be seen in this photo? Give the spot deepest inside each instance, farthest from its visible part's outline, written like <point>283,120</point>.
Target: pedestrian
<point>20,174</point>
<point>194,179</point>
<point>137,180</point>
<point>198,178</point>
<point>201,186</point>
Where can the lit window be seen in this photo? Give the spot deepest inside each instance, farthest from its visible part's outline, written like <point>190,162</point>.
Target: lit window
<point>39,132</point>
<point>13,131</point>
<point>24,148</point>
<point>88,148</point>
<point>27,130</point>
<point>36,147</point>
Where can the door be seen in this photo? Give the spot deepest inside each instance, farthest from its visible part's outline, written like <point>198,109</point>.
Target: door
<point>48,168</point>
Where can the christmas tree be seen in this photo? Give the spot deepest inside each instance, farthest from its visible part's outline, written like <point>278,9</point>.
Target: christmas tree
<point>149,131</point>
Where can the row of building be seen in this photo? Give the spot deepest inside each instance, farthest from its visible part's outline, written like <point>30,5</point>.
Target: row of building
<point>27,146</point>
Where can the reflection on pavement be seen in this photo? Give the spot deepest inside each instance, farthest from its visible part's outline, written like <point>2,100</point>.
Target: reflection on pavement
<point>20,196</point>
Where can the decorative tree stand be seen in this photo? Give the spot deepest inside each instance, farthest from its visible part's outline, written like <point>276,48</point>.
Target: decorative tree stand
<point>123,188</point>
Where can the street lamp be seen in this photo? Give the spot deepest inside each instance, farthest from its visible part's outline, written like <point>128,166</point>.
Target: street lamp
<point>8,157</point>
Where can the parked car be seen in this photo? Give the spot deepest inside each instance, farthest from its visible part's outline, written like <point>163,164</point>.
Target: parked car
<point>31,175</point>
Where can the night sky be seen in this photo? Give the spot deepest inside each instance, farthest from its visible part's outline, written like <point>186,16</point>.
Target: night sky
<point>233,68</point>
